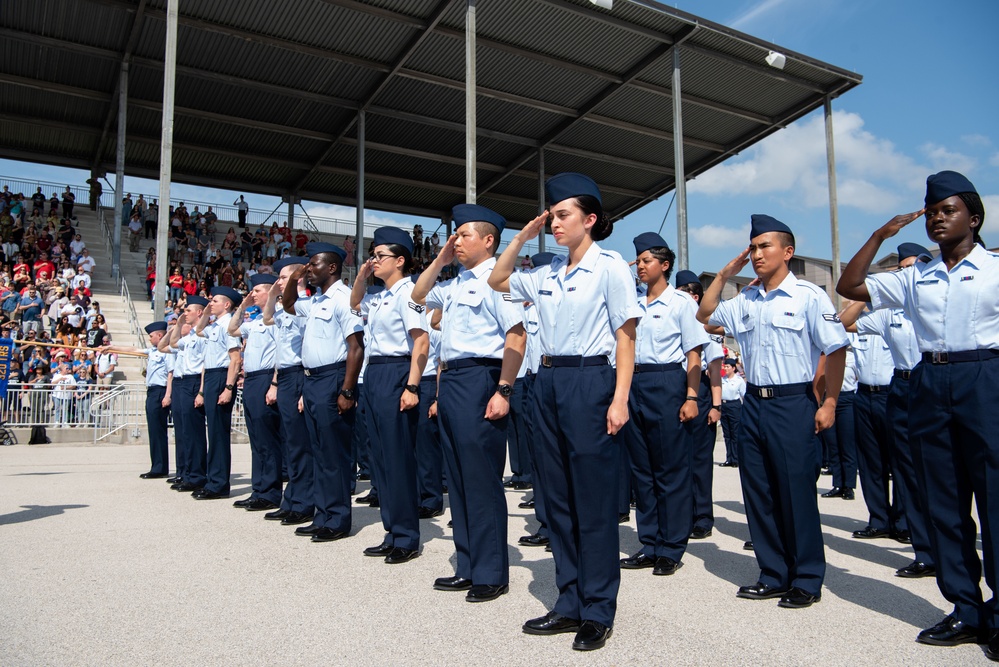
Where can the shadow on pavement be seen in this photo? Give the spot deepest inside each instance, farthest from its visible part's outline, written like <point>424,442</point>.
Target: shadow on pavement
<point>33,512</point>
<point>36,474</point>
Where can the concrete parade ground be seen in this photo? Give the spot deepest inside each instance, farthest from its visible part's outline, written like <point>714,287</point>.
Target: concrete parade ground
<point>100,567</point>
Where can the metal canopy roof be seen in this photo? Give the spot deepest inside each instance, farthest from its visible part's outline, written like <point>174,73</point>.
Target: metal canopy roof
<point>268,94</point>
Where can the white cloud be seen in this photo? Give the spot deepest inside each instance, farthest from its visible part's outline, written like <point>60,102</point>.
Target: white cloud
<point>716,236</point>
<point>994,160</point>
<point>755,12</point>
<point>942,158</point>
<point>976,140</point>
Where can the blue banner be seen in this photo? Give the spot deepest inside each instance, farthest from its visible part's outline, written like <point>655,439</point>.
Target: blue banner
<point>6,350</point>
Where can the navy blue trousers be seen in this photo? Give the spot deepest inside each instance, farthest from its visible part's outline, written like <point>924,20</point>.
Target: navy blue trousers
<point>475,455</point>
<point>299,495</point>
<point>517,436</point>
<point>393,446</point>
<point>730,418</point>
<point>954,432</point>
<point>429,454</point>
<point>263,425</point>
<point>779,464</point>
<point>703,437</point>
<point>874,450</point>
<point>906,482</point>
<point>360,445</point>
<point>841,441</point>
<point>531,407</point>
<point>156,427</point>
<point>189,430</point>
<point>219,421</point>
<point>329,433</point>
<point>660,449</point>
<point>578,468</point>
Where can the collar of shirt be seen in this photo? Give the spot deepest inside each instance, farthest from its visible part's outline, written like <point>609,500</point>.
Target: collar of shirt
<point>477,271</point>
<point>664,298</point>
<point>786,286</point>
<point>976,258</point>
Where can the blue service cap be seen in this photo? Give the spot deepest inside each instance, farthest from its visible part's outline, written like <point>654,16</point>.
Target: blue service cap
<point>288,261</point>
<point>393,236</point>
<point>570,184</point>
<point>542,259</point>
<point>228,293</point>
<point>946,184</point>
<point>194,300</point>
<point>156,326</point>
<point>686,277</point>
<point>761,224</point>
<point>648,240</point>
<point>317,247</point>
<point>262,279</point>
<point>907,250</point>
<point>731,362</point>
<point>375,289</point>
<point>463,213</point>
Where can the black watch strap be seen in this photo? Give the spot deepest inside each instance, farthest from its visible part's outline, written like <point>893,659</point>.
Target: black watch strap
<point>413,389</point>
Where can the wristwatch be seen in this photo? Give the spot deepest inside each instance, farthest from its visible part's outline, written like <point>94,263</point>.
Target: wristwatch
<point>716,407</point>
<point>230,387</point>
<point>505,390</point>
<point>273,383</point>
<point>348,394</point>
<point>413,389</point>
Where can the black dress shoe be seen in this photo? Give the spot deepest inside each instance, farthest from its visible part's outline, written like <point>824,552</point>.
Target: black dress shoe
<point>452,584</point>
<point>950,632</point>
<point>260,505</point>
<point>825,470</point>
<point>205,494</point>
<point>174,480</point>
<point>153,475</point>
<point>848,494</point>
<point>638,562</point>
<point>624,517</point>
<point>591,636</point>
<point>666,566</point>
<point>760,591</point>
<point>307,531</point>
<point>363,477</point>
<point>374,502</point>
<point>521,486</point>
<point>915,570</point>
<point>551,623</point>
<point>903,536</point>
<point>870,533</point>
<point>485,592</point>
<point>243,503</point>
<point>278,515</point>
<point>700,532</point>
<point>296,518</point>
<point>798,599</point>
<point>381,551</point>
<point>728,464</point>
<point>400,555</point>
<point>834,492</point>
<point>427,513</point>
<point>992,649</point>
<point>536,540</point>
<point>364,500</point>
<point>508,484</point>
<point>186,487</point>
<point>450,523</point>
<point>329,535</point>
<point>527,504</point>
<point>748,546</point>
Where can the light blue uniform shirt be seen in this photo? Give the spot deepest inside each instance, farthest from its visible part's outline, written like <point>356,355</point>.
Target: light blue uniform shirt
<point>289,338</point>
<point>874,362</point>
<point>476,317</point>
<point>190,358</point>
<point>433,357</point>
<point>328,322</point>
<point>532,352</point>
<point>782,333</point>
<point>391,315</point>
<point>579,312</point>
<point>218,342</point>
<point>951,311</point>
<point>260,352</point>
<point>895,327</point>
<point>158,366</point>
<point>669,329</point>
<point>733,388</point>
<point>850,372</point>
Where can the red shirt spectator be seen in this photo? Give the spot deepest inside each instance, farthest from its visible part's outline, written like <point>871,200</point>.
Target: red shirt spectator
<point>300,240</point>
<point>191,286</point>
<point>284,231</point>
<point>44,265</point>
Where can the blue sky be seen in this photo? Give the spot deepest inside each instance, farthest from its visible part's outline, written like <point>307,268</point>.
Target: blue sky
<point>928,102</point>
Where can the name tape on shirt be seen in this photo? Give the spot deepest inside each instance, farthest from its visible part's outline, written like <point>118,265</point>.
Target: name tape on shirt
<point>831,317</point>
<point>545,292</point>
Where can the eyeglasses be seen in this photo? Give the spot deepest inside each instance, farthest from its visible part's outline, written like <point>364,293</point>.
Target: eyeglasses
<point>379,257</point>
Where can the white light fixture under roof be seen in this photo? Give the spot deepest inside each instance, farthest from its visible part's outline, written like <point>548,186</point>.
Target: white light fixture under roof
<point>775,59</point>
<point>606,4</point>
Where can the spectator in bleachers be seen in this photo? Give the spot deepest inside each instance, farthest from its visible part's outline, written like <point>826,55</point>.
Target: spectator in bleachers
<point>149,219</point>
<point>86,261</point>
<point>68,199</point>
<point>134,232</point>
<point>63,384</point>
<point>30,310</point>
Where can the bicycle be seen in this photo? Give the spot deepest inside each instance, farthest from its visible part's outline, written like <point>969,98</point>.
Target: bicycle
<point>7,437</point>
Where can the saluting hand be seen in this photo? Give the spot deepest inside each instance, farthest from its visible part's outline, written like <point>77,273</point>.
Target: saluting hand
<point>367,268</point>
<point>248,300</point>
<point>446,254</point>
<point>534,227</point>
<point>895,225</point>
<point>736,265</point>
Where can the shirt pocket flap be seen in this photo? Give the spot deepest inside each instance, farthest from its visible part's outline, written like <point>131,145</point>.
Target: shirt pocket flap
<point>788,322</point>
<point>324,313</point>
<point>745,324</point>
<point>473,299</point>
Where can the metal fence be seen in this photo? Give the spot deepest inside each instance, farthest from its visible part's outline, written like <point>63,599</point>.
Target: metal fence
<point>53,406</point>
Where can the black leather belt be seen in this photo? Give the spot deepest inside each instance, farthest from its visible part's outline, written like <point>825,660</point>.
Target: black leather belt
<point>575,361</point>
<point>465,363</point>
<point>375,361</point>
<point>872,388</point>
<point>318,370</point>
<point>297,368</point>
<point>937,358</point>
<point>222,369</point>
<point>651,368</point>
<point>779,390</point>
<point>253,374</point>
<point>905,375</point>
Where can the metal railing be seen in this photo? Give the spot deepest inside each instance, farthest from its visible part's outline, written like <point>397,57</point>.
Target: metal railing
<point>27,187</point>
<point>52,405</point>
<point>122,284</point>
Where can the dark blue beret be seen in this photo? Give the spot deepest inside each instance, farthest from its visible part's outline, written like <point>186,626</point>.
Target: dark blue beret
<point>463,213</point>
<point>262,279</point>
<point>648,240</point>
<point>907,250</point>
<point>393,236</point>
<point>686,277</point>
<point>316,247</point>
<point>570,184</point>
<point>946,184</point>
<point>761,224</point>
<point>197,301</point>
<point>228,293</point>
<point>542,259</point>
<point>288,261</point>
<point>156,326</point>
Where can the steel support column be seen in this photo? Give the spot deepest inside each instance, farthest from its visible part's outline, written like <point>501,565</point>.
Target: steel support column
<point>470,121</point>
<point>359,230</point>
<point>833,207</point>
<point>166,157</point>
<point>541,197</point>
<point>119,172</point>
<point>680,181</point>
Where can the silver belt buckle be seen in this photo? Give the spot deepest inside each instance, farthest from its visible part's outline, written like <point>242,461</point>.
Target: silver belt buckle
<point>766,392</point>
<point>443,365</point>
<point>308,373</point>
<point>940,358</point>
<point>546,360</point>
